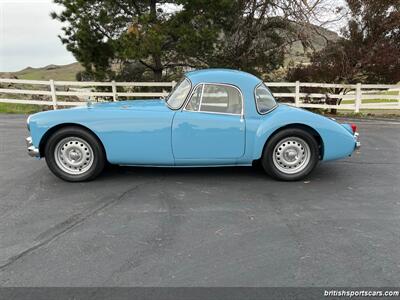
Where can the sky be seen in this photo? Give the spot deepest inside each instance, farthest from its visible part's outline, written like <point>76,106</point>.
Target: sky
<point>29,36</point>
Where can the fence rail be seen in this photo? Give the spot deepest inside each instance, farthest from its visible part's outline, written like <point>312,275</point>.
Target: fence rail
<point>300,94</point>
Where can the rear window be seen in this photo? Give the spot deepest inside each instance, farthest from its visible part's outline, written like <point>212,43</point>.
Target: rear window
<point>264,99</point>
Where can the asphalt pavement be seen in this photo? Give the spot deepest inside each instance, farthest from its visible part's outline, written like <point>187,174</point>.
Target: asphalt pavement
<point>202,227</point>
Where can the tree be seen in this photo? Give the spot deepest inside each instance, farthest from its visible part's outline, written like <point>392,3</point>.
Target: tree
<point>253,40</point>
<point>111,37</point>
<point>250,35</point>
<point>258,33</point>
<point>133,39</point>
<point>368,52</point>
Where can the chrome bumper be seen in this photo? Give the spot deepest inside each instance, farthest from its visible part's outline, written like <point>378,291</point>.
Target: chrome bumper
<point>358,144</point>
<point>32,150</point>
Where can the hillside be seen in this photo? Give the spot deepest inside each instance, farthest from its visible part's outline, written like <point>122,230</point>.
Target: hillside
<point>318,42</point>
<point>55,72</point>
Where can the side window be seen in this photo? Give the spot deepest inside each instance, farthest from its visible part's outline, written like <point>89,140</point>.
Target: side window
<point>264,99</point>
<point>221,99</point>
<point>194,102</point>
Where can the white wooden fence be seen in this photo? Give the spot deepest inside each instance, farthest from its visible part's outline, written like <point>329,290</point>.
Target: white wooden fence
<point>351,96</point>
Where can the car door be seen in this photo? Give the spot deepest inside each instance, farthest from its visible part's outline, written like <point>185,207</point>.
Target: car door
<point>211,126</point>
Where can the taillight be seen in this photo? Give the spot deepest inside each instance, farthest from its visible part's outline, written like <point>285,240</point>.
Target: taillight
<point>353,127</point>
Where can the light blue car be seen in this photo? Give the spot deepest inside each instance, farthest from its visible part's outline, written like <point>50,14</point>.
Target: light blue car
<point>213,117</point>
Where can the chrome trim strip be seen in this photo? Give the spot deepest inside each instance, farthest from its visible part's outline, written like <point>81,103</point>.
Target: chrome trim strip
<point>183,108</point>
<point>201,98</point>
<point>211,112</point>
<point>27,123</point>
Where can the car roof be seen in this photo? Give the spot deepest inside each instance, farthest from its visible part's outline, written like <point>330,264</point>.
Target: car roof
<point>238,78</point>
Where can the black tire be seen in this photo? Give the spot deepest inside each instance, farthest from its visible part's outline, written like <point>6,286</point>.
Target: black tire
<point>287,134</point>
<point>97,162</point>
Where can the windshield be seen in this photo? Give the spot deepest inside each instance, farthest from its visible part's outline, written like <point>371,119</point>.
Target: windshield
<point>264,99</point>
<point>178,95</point>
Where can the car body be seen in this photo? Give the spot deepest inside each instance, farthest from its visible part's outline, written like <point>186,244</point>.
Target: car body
<point>211,118</point>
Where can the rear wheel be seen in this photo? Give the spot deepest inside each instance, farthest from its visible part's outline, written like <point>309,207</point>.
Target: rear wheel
<point>74,154</point>
<point>290,155</point>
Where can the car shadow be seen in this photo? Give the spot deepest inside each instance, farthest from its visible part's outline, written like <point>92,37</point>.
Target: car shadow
<point>323,171</point>
<point>200,172</point>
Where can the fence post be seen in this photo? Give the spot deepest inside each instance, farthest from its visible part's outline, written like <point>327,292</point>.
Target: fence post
<point>297,96</point>
<point>357,104</point>
<point>398,99</point>
<point>114,90</point>
<point>53,94</point>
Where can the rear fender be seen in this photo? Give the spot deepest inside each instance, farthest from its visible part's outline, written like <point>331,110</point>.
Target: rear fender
<point>336,140</point>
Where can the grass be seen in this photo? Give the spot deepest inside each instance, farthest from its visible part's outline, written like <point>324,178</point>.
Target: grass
<point>14,108</point>
<point>365,113</point>
<point>391,93</point>
<point>369,101</point>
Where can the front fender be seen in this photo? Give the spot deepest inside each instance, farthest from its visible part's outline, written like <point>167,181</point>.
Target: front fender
<point>41,123</point>
<point>337,141</point>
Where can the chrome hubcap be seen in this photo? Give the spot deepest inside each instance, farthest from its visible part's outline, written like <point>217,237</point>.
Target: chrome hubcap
<point>73,155</point>
<point>291,155</point>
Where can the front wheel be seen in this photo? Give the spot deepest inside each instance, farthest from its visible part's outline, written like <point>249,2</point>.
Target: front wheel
<point>74,154</point>
<point>290,155</point>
